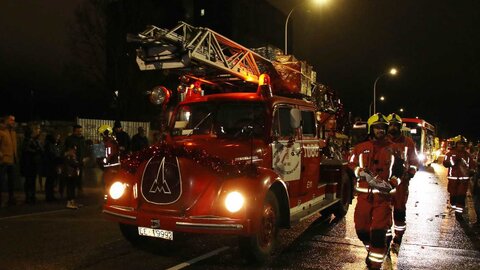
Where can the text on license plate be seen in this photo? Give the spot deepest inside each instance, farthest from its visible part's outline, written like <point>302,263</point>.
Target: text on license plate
<point>155,233</point>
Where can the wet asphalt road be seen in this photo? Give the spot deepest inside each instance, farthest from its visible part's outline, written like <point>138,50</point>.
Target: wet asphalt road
<point>47,236</point>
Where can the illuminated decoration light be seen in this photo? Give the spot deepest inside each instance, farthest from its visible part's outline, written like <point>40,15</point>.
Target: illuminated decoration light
<point>181,88</point>
<point>264,87</point>
<point>234,201</point>
<point>197,88</point>
<point>413,131</point>
<point>421,157</point>
<point>264,79</point>
<point>116,190</point>
<point>188,151</point>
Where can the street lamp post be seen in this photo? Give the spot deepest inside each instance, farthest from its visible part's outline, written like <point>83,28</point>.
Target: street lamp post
<point>288,17</point>
<point>382,98</point>
<point>392,72</point>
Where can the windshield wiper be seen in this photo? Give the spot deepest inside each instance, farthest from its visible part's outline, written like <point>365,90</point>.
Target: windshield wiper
<point>199,123</point>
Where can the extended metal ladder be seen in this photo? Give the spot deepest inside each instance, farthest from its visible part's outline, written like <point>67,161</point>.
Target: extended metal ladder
<point>205,51</point>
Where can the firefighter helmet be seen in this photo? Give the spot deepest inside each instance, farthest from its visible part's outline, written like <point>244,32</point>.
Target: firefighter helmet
<point>394,118</point>
<point>377,119</point>
<point>105,130</point>
<point>462,140</point>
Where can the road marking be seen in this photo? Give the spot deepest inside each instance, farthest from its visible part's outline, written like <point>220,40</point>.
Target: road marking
<point>197,259</point>
<point>35,214</point>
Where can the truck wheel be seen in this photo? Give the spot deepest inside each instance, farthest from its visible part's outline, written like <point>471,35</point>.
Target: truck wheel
<point>341,208</point>
<point>130,233</point>
<point>262,244</point>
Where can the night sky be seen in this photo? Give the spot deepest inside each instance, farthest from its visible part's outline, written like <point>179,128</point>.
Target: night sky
<point>434,44</point>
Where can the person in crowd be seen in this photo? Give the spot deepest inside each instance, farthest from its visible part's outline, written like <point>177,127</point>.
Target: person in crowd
<point>71,171</point>
<point>109,155</point>
<point>8,156</point>
<point>77,141</point>
<point>139,140</point>
<point>123,138</point>
<point>372,161</point>
<point>461,167</point>
<point>31,160</point>
<point>53,160</point>
<point>404,152</point>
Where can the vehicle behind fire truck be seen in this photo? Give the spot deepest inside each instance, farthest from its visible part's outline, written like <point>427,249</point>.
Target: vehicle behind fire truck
<point>243,153</point>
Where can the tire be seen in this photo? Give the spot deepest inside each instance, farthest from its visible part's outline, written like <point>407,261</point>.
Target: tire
<point>130,233</point>
<point>260,246</point>
<point>340,209</point>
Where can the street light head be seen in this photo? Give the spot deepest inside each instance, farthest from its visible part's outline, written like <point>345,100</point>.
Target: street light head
<point>320,2</point>
<point>401,110</point>
<point>393,71</point>
<point>382,98</point>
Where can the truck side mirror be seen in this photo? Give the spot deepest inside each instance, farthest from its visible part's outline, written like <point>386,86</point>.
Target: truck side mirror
<point>295,118</point>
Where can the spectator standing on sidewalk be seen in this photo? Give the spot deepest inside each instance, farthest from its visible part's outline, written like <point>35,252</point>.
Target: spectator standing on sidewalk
<point>77,141</point>
<point>8,156</point>
<point>31,160</point>
<point>122,137</point>
<point>53,161</point>
<point>71,170</point>
<point>139,140</point>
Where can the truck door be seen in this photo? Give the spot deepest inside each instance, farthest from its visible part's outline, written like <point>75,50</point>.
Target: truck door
<point>310,158</point>
<point>286,150</point>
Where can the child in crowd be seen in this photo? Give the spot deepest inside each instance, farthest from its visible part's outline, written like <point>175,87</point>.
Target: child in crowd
<point>71,172</point>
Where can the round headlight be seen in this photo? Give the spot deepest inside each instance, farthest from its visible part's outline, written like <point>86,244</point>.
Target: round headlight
<point>234,201</point>
<point>159,95</point>
<point>116,190</point>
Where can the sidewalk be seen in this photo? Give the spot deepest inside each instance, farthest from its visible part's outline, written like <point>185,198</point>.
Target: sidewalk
<point>92,195</point>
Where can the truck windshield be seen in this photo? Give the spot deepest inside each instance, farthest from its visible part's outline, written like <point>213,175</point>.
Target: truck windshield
<point>225,119</point>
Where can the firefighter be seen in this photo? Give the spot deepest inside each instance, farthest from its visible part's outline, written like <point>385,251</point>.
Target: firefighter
<point>111,152</point>
<point>404,152</point>
<point>372,162</point>
<point>461,167</point>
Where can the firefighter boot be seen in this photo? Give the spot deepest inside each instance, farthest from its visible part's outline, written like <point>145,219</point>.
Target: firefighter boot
<point>395,247</point>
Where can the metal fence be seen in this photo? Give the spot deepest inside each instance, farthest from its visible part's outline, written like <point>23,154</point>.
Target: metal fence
<point>90,127</point>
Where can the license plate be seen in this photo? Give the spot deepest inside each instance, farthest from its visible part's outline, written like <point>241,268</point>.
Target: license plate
<point>157,233</point>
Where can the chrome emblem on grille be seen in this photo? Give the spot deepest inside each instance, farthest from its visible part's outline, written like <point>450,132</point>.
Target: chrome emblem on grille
<point>161,180</point>
<point>163,188</point>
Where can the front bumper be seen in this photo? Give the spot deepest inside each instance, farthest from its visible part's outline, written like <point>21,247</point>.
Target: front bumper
<point>189,224</point>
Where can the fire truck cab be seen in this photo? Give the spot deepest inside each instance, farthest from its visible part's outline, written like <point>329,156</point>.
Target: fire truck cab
<point>244,162</point>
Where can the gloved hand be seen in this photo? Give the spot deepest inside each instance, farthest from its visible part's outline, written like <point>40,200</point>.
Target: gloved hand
<point>411,173</point>
<point>376,182</point>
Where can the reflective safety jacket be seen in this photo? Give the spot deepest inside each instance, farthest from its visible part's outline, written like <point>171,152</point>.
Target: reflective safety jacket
<point>460,164</point>
<point>376,158</point>
<point>404,148</point>
<point>111,155</point>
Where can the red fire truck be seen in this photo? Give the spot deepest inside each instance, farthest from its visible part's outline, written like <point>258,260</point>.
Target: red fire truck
<point>243,154</point>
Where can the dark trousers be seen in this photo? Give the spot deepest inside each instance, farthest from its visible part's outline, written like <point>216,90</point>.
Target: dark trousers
<point>9,171</point>
<point>50,183</point>
<point>71,184</point>
<point>79,181</point>
<point>29,188</point>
